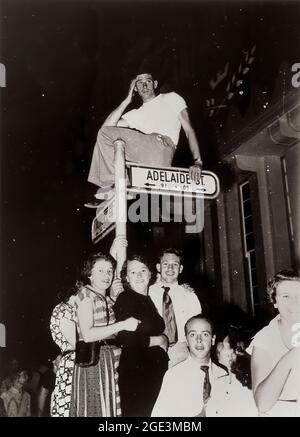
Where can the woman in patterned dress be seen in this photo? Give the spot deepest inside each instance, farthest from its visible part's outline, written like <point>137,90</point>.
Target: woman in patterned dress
<point>62,327</point>
<point>95,388</point>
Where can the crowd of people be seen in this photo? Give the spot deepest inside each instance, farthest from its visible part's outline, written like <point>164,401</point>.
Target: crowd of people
<point>140,345</point>
<point>158,354</point>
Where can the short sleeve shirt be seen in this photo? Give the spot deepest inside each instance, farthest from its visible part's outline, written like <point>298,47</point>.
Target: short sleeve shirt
<point>160,115</point>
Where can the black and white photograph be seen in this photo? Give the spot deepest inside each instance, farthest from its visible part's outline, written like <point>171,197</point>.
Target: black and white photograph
<point>150,210</point>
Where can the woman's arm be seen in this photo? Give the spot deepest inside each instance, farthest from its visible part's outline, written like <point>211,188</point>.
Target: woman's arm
<point>68,329</point>
<point>123,308</point>
<point>160,340</point>
<point>93,333</point>
<point>141,338</point>
<point>268,382</point>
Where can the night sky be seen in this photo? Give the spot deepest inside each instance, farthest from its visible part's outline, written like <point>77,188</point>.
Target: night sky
<point>68,64</point>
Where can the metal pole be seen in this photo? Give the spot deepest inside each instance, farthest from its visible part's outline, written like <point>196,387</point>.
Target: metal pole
<point>121,199</point>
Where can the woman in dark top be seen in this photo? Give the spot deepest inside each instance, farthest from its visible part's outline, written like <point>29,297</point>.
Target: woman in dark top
<point>144,359</point>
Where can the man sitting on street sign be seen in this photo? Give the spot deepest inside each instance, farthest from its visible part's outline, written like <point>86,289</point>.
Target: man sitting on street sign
<point>151,133</point>
<point>175,303</point>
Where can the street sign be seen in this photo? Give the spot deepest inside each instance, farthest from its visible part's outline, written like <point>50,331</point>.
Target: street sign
<point>104,222</point>
<point>172,181</point>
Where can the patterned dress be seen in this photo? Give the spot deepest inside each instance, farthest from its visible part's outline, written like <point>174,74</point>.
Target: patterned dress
<point>61,397</point>
<point>95,388</point>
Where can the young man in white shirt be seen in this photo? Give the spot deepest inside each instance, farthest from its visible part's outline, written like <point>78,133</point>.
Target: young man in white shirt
<point>150,132</point>
<point>186,387</point>
<point>199,387</point>
<point>184,300</point>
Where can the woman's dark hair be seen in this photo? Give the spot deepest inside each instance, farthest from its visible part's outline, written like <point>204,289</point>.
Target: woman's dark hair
<point>91,261</point>
<point>17,373</point>
<point>283,275</point>
<point>238,339</point>
<point>142,260</point>
<point>85,273</point>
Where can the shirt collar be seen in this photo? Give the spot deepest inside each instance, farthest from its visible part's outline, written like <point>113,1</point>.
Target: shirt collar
<point>215,371</point>
<point>152,100</point>
<point>161,284</point>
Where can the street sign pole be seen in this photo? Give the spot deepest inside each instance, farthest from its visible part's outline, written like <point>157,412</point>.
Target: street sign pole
<point>121,199</point>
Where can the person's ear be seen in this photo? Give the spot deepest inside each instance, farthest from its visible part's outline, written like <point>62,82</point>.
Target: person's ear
<point>213,340</point>
<point>180,269</point>
<point>158,267</point>
<point>155,83</point>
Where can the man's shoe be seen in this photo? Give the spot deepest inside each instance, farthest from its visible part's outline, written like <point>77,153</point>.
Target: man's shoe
<point>93,204</point>
<point>105,193</point>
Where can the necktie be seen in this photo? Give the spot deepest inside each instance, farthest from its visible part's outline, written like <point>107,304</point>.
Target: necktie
<point>169,317</point>
<point>206,389</point>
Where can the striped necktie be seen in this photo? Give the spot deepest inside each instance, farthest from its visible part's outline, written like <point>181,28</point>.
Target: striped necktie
<point>206,389</point>
<point>169,317</point>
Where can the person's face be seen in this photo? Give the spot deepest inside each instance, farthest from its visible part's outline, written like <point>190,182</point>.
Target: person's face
<point>23,378</point>
<point>169,268</point>
<point>145,86</point>
<point>200,339</point>
<point>288,300</point>
<point>225,353</point>
<point>138,276</point>
<point>102,275</point>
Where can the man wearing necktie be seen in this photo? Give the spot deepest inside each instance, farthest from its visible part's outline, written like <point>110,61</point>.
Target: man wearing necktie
<point>168,315</point>
<point>187,387</point>
<point>199,387</point>
<point>175,303</point>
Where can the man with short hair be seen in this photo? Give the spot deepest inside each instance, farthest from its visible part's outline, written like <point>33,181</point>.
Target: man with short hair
<point>175,303</point>
<point>199,387</point>
<point>150,132</point>
<point>186,387</point>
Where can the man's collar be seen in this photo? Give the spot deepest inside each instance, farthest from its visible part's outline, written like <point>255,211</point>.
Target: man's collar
<point>162,284</point>
<point>149,101</point>
<point>214,368</point>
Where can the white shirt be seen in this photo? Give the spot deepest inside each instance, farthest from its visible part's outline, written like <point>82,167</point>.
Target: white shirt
<point>229,398</point>
<point>160,115</point>
<point>181,393</point>
<point>185,304</point>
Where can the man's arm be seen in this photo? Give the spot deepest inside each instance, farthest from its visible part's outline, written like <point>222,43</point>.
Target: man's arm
<point>195,170</point>
<point>114,117</point>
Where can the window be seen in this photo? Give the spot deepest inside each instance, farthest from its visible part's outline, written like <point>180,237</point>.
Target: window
<point>287,196</point>
<point>249,243</point>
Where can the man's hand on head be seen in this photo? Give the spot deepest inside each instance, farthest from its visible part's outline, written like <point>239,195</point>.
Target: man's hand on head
<point>131,89</point>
